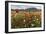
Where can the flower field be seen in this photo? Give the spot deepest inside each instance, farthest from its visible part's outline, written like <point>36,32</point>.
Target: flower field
<point>24,19</point>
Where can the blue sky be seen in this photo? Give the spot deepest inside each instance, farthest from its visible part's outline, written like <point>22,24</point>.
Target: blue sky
<point>23,7</point>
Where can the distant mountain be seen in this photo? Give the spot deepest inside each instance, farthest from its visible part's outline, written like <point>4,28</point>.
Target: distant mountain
<point>31,9</point>
<point>28,9</point>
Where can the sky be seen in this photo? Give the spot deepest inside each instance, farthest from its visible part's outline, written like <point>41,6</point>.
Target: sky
<point>24,7</point>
